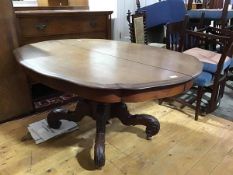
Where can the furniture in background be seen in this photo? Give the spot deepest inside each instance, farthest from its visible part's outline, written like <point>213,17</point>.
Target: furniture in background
<point>15,99</point>
<point>138,29</point>
<point>41,25</point>
<point>194,6</point>
<point>162,13</point>
<point>53,3</point>
<point>175,34</point>
<point>106,76</point>
<point>216,11</point>
<point>157,15</point>
<point>216,65</point>
<point>206,4</point>
<point>211,80</point>
<point>46,23</point>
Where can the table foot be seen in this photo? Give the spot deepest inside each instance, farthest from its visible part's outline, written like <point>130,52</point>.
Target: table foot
<point>99,150</point>
<point>101,112</point>
<point>151,123</point>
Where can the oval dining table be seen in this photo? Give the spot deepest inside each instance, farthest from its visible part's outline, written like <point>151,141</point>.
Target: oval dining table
<point>106,74</point>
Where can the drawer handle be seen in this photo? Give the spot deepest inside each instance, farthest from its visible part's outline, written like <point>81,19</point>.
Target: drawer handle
<point>41,27</point>
<point>93,24</point>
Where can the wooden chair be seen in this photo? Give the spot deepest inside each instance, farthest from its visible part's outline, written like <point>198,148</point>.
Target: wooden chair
<point>175,34</point>
<point>216,65</point>
<point>137,29</point>
<point>222,23</point>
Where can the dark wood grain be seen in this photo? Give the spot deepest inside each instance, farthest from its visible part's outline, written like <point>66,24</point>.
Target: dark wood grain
<point>41,25</point>
<point>15,97</point>
<point>101,112</point>
<point>106,74</point>
<point>109,64</point>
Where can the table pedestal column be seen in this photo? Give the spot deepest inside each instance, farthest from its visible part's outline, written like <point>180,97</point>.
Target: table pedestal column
<point>101,112</point>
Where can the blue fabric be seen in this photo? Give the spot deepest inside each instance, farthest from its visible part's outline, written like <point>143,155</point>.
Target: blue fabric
<point>213,67</point>
<point>209,14</point>
<point>156,14</point>
<point>177,10</point>
<point>231,63</point>
<point>204,79</point>
<point>164,12</point>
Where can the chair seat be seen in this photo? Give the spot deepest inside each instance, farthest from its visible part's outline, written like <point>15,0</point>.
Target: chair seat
<point>209,58</point>
<point>160,45</point>
<point>204,79</point>
<point>231,65</point>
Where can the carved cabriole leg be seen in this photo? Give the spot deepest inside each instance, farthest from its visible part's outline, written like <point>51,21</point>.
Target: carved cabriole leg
<point>101,115</point>
<point>120,111</point>
<point>98,111</point>
<point>83,109</point>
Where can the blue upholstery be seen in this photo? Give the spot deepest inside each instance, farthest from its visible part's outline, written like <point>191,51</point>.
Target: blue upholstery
<point>213,67</point>
<point>156,14</point>
<point>231,63</point>
<point>177,10</point>
<point>209,13</point>
<point>204,79</point>
<point>164,12</point>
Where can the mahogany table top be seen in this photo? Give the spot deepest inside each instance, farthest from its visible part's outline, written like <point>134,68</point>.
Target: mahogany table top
<point>106,64</point>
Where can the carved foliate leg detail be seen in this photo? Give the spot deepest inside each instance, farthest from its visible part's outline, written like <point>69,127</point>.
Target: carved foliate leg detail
<point>82,109</point>
<point>151,123</point>
<point>101,113</point>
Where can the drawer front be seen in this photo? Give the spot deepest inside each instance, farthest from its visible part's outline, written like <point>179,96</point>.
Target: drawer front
<point>93,35</point>
<point>46,26</point>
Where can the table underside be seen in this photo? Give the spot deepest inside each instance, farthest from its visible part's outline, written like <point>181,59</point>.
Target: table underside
<point>101,113</point>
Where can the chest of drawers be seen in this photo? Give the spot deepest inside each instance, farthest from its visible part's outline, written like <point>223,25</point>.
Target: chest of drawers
<point>40,25</point>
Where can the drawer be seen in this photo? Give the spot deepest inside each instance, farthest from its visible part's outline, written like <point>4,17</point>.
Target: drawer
<point>52,25</point>
<point>93,35</point>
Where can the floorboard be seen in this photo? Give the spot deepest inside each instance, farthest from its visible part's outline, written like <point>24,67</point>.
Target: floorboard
<point>183,146</point>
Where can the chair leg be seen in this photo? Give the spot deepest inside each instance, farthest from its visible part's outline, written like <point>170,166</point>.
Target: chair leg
<point>198,101</point>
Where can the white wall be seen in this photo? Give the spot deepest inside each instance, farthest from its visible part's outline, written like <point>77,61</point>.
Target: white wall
<point>104,5</point>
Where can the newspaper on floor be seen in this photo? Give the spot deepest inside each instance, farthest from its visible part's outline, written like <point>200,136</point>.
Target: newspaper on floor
<point>40,131</point>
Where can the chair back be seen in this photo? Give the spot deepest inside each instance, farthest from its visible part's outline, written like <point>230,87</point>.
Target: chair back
<point>175,35</point>
<point>137,27</point>
<point>164,12</point>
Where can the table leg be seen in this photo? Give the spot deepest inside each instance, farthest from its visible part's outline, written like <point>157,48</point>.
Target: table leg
<point>83,109</point>
<point>120,111</point>
<point>101,112</point>
<point>101,115</point>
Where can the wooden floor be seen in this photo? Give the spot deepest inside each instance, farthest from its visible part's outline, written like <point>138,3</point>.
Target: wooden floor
<point>183,146</point>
